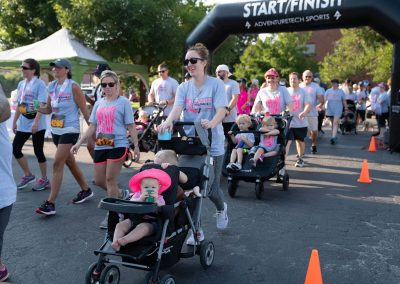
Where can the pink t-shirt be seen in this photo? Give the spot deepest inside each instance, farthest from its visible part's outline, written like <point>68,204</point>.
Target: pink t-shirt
<point>241,101</point>
<point>253,95</point>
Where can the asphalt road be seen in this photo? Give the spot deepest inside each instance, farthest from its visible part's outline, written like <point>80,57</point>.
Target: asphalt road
<point>354,226</point>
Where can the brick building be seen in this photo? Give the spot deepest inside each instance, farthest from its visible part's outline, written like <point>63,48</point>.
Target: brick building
<point>322,42</point>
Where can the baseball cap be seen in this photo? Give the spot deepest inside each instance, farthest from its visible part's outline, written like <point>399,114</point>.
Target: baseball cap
<point>271,72</point>
<point>100,68</point>
<point>61,62</point>
<point>241,80</point>
<point>255,82</point>
<point>223,67</point>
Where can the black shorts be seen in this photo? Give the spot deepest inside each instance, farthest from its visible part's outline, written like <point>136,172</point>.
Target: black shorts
<point>361,113</point>
<point>382,119</point>
<point>68,138</point>
<point>297,133</point>
<point>112,155</point>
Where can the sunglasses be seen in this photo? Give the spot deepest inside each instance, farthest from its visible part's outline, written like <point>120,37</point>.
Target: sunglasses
<point>162,71</point>
<point>111,84</point>
<point>307,76</point>
<point>25,68</point>
<point>192,60</point>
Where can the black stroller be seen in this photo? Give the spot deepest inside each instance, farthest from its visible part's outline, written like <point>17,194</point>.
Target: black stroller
<point>348,120</point>
<point>163,249</point>
<point>148,137</point>
<point>269,168</point>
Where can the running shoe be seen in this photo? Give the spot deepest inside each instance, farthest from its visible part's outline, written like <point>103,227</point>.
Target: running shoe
<point>47,208</point>
<point>222,218</point>
<point>124,194</point>
<point>200,235</point>
<point>4,273</point>
<point>82,196</point>
<point>25,180</point>
<point>314,149</point>
<point>299,163</point>
<point>253,162</point>
<point>41,184</point>
<point>229,166</point>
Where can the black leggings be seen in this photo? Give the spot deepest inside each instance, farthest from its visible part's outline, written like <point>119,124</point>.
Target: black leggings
<point>38,143</point>
<point>4,218</point>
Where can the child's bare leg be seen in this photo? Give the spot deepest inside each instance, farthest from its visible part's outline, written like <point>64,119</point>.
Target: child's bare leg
<point>142,230</point>
<point>239,155</point>
<point>270,154</point>
<point>233,156</point>
<point>120,230</point>
<point>258,154</point>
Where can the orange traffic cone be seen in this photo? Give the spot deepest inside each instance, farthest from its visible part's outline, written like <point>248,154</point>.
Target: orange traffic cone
<point>364,176</point>
<point>372,147</point>
<point>314,275</point>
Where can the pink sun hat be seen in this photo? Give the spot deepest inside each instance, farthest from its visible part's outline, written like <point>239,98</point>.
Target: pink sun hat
<point>163,179</point>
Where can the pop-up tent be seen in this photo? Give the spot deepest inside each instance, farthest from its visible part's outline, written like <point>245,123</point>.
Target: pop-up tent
<point>62,44</point>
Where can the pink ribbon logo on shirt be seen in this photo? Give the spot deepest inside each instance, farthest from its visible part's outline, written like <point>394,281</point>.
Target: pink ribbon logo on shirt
<point>105,119</point>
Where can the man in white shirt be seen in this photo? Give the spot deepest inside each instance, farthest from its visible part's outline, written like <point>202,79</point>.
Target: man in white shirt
<point>232,91</point>
<point>163,89</point>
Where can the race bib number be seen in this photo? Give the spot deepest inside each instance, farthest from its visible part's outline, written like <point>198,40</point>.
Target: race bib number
<point>57,121</point>
<point>22,108</point>
<point>105,139</point>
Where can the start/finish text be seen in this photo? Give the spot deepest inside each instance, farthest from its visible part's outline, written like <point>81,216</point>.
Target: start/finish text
<point>274,7</point>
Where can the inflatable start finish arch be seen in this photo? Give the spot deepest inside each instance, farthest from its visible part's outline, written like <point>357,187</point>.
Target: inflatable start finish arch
<point>275,16</point>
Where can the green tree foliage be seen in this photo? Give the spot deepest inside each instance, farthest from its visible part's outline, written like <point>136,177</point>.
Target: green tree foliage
<point>358,53</point>
<point>25,21</point>
<point>285,52</point>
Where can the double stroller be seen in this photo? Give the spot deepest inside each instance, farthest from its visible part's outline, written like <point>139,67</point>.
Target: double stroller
<point>270,167</point>
<point>164,248</point>
<point>348,120</point>
<point>146,131</point>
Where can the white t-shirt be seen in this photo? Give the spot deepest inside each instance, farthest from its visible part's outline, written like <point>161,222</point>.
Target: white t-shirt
<point>164,90</point>
<point>313,90</point>
<point>231,89</point>
<point>8,189</point>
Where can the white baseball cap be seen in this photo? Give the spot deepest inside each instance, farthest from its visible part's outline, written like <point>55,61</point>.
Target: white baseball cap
<point>223,67</point>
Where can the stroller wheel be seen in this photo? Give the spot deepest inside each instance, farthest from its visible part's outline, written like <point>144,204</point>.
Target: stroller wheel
<point>207,252</point>
<point>232,187</point>
<point>285,182</point>
<point>128,159</point>
<point>110,275</point>
<point>167,279</point>
<point>92,276</point>
<point>259,190</point>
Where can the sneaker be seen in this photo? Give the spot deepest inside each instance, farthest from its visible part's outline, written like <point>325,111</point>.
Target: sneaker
<point>314,149</point>
<point>82,196</point>
<point>282,171</point>
<point>104,223</point>
<point>299,163</point>
<point>253,162</point>
<point>222,218</point>
<point>238,166</point>
<point>124,194</point>
<point>229,166</point>
<point>333,140</point>
<point>47,208</point>
<point>4,273</point>
<point>41,184</point>
<point>25,180</point>
<point>200,235</point>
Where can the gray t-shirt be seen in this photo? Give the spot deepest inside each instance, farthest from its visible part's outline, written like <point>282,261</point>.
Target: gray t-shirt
<point>300,98</point>
<point>111,119</point>
<point>164,90</point>
<point>313,90</point>
<point>202,103</point>
<point>231,88</point>
<point>273,102</point>
<point>334,102</point>
<point>8,188</point>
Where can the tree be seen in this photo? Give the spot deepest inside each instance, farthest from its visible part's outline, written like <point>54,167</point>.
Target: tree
<point>285,52</point>
<point>360,52</point>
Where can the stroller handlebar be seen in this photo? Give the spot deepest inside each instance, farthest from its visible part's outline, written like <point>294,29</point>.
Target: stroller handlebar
<point>127,206</point>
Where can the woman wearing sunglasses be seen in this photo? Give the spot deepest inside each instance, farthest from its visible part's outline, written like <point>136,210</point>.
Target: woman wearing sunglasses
<point>203,99</point>
<point>64,102</point>
<point>28,122</point>
<point>110,118</point>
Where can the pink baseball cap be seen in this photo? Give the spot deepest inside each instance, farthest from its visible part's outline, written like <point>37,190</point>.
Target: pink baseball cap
<point>163,179</point>
<point>271,72</point>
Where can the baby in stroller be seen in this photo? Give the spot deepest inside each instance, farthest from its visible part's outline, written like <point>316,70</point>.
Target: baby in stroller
<point>348,120</point>
<point>142,121</point>
<point>147,186</point>
<point>243,141</point>
<point>268,145</point>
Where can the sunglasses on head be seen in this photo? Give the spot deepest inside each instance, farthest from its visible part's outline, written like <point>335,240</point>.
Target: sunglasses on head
<point>111,84</point>
<point>192,60</point>
<point>25,68</point>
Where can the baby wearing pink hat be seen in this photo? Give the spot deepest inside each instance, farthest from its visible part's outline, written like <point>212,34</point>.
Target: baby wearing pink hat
<point>146,186</point>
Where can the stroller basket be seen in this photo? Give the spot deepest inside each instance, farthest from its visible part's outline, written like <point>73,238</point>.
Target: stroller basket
<point>126,206</point>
